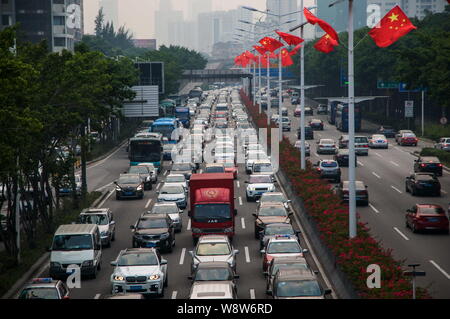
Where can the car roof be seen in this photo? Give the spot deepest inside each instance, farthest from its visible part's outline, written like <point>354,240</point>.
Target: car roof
<point>295,274</point>
<point>213,238</point>
<point>212,289</point>
<point>214,264</point>
<point>76,229</point>
<point>154,216</point>
<point>42,283</point>
<point>175,175</point>
<point>95,211</point>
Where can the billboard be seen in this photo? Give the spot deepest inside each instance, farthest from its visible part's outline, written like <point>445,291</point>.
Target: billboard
<point>151,73</point>
<point>145,103</point>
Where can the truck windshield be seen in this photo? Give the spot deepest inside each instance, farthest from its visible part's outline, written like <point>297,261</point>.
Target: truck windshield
<point>72,242</point>
<point>221,212</point>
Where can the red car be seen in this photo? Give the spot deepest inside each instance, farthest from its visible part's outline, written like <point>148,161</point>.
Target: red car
<point>427,217</point>
<point>408,139</point>
<point>230,167</point>
<point>298,112</point>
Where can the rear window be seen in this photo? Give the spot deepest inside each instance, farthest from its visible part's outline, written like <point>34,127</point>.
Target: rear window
<point>361,139</point>
<point>432,211</point>
<point>329,164</point>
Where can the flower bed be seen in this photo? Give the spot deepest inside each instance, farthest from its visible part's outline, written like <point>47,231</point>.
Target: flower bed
<point>331,215</point>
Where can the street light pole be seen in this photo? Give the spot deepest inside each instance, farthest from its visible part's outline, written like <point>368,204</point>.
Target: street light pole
<point>269,105</point>
<point>259,83</point>
<point>280,95</point>
<point>351,126</point>
<point>302,95</point>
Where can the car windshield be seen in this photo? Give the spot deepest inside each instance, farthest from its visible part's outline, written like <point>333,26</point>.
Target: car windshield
<point>213,249</point>
<point>215,169</point>
<point>129,180</point>
<point>260,179</point>
<point>360,139</point>
<point>138,170</point>
<point>181,167</point>
<point>276,267</point>
<point>39,293</point>
<point>72,242</point>
<point>211,274</point>
<point>98,219</point>
<point>329,164</point>
<point>409,135</point>
<point>175,179</point>
<point>258,168</point>
<point>272,211</point>
<point>298,288</point>
<point>432,211</point>
<point>326,142</point>
<point>172,189</point>
<point>148,223</point>
<point>165,209</point>
<point>283,248</point>
<point>378,137</point>
<point>272,198</point>
<point>138,259</point>
<point>278,230</point>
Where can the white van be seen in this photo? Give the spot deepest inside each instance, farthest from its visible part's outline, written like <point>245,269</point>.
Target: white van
<point>78,244</point>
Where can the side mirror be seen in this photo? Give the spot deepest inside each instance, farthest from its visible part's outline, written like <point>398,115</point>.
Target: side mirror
<point>236,276</point>
<point>236,251</point>
<point>327,291</point>
<point>262,251</point>
<point>163,262</point>
<point>132,227</point>
<point>316,272</point>
<point>246,182</point>
<point>113,222</point>
<point>290,214</point>
<point>305,251</point>
<point>254,215</point>
<point>113,263</point>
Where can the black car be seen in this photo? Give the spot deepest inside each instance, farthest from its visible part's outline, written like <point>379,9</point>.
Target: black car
<point>429,164</point>
<point>342,157</point>
<point>295,101</point>
<point>129,185</point>
<point>387,131</point>
<point>154,231</point>
<point>214,271</point>
<point>309,110</point>
<point>423,184</point>
<point>309,133</point>
<point>362,196</point>
<point>316,124</point>
<point>145,174</point>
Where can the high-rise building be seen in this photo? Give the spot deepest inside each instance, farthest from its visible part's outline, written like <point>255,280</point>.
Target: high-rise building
<point>198,6</point>
<point>282,7</point>
<point>167,24</point>
<point>412,8</point>
<point>111,11</point>
<point>60,22</point>
<point>337,15</point>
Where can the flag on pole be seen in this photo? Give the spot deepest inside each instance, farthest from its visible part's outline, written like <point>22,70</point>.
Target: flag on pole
<point>391,27</point>
<point>326,44</point>
<point>286,59</point>
<point>270,44</point>
<point>295,50</point>
<point>325,26</point>
<point>260,49</point>
<point>289,38</point>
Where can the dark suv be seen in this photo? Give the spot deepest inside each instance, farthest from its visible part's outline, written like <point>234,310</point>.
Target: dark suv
<point>154,231</point>
<point>387,131</point>
<point>309,133</point>
<point>342,157</point>
<point>429,164</point>
<point>343,141</point>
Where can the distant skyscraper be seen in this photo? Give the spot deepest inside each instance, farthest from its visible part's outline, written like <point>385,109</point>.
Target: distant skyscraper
<point>337,15</point>
<point>198,6</point>
<point>283,7</point>
<point>167,24</point>
<point>111,11</point>
<point>412,8</point>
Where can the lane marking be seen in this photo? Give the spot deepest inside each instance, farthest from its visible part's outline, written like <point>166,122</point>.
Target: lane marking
<point>374,209</point>
<point>183,252</point>
<point>105,199</point>
<point>399,149</point>
<point>247,254</point>
<point>97,296</point>
<point>148,203</point>
<point>440,269</point>
<point>238,184</point>
<point>443,191</point>
<point>395,163</point>
<point>252,293</point>
<point>240,200</point>
<point>359,163</point>
<point>158,186</point>
<point>174,294</point>
<point>378,176</point>
<point>165,173</point>
<point>243,222</point>
<point>378,154</point>
<point>189,225</point>
<point>107,158</point>
<point>400,233</point>
<point>393,187</point>
<point>103,187</point>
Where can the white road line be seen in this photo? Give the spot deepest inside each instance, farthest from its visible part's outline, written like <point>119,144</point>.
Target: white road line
<point>174,294</point>
<point>400,233</point>
<point>240,200</point>
<point>317,155</point>
<point>378,154</point>
<point>399,149</point>
<point>247,254</point>
<point>359,163</point>
<point>393,187</point>
<point>374,209</point>
<point>440,269</point>
<point>158,186</point>
<point>148,203</point>
<point>395,163</point>
<point>105,199</point>
<point>183,252</point>
<point>165,173</point>
<point>445,192</point>
<point>189,225</point>
<point>97,296</point>
<point>238,184</point>
<point>378,176</point>
<point>100,188</point>
<point>243,222</point>
<point>252,293</point>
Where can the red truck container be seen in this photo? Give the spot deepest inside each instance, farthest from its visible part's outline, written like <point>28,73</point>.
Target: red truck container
<point>212,204</point>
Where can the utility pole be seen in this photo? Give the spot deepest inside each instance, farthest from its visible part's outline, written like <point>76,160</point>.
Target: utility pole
<point>302,95</point>
<point>280,94</point>
<point>259,83</point>
<point>83,161</point>
<point>17,213</point>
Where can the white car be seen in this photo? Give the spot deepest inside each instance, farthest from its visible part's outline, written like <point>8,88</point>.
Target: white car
<point>170,209</point>
<point>140,270</point>
<point>326,146</point>
<point>176,179</point>
<point>173,193</point>
<point>378,141</point>
<point>258,185</point>
<point>298,144</point>
<point>253,156</point>
<point>263,167</point>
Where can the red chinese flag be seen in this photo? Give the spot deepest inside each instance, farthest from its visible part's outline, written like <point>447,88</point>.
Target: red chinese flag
<point>392,27</point>
<point>237,60</point>
<point>289,38</point>
<point>326,44</point>
<point>295,50</point>
<point>286,59</point>
<point>261,49</point>
<point>244,60</point>
<point>325,26</point>
<point>270,44</point>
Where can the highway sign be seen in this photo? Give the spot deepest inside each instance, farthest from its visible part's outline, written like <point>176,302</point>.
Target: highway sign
<point>387,85</point>
<point>409,109</point>
<point>402,88</point>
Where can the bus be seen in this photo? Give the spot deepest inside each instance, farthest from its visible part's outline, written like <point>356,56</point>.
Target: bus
<point>169,128</point>
<point>182,113</point>
<point>341,118</point>
<point>331,111</point>
<point>196,92</point>
<point>147,149</point>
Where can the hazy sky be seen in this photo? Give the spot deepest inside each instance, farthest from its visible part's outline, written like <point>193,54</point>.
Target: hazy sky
<point>138,15</point>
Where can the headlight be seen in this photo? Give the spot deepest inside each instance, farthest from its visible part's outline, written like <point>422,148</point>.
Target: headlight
<point>118,189</point>
<point>104,233</point>
<point>153,277</point>
<point>87,263</point>
<point>139,188</point>
<point>118,278</point>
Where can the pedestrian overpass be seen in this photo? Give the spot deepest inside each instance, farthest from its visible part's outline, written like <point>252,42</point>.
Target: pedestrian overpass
<point>216,75</point>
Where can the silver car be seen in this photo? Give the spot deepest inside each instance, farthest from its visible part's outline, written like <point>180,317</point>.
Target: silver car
<point>326,146</point>
<point>443,144</point>
<point>213,248</point>
<point>173,193</point>
<point>153,170</point>
<point>176,179</point>
<point>103,217</point>
<point>140,270</point>
<point>170,209</point>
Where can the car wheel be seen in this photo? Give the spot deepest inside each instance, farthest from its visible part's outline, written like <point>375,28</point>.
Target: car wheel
<point>113,238</point>
<point>413,228</point>
<point>117,197</point>
<point>166,280</point>
<point>406,188</point>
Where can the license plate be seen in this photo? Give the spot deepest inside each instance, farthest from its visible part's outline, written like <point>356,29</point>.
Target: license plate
<point>151,244</point>
<point>433,220</point>
<point>135,287</point>
<point>128,193</point>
